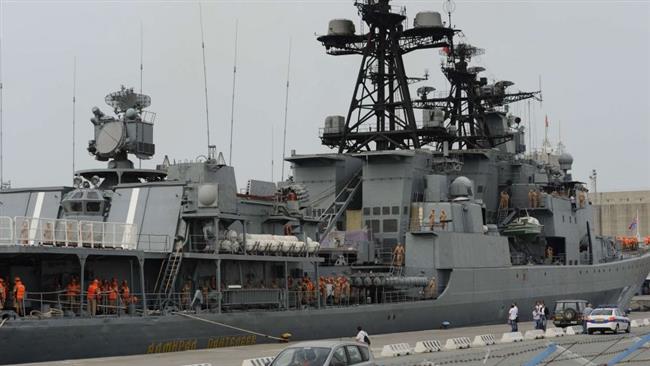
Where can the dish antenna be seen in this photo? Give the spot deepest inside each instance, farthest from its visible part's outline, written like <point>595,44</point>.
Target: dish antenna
<point>124,99</point>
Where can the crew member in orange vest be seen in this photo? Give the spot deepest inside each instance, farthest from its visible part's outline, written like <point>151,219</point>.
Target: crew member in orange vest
<point>112,296</point>
<point>19,296</point>
<point>126,293</point>
<point>71,293</point>
<point>93,292</point>
<point>2,293</point>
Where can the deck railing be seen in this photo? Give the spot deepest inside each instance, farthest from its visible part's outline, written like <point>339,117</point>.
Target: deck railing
<point>59,303</point>
<point>67,233</point>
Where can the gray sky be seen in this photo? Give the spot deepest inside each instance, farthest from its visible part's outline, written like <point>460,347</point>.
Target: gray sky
<point>593,57</point>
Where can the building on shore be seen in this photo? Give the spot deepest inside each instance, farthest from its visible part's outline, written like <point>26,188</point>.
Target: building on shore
<point>614,212</point>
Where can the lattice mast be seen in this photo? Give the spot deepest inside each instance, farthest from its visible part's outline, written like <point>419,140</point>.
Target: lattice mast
<point>381,114</point>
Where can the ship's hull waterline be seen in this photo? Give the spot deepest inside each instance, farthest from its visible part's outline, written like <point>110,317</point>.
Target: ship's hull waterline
<point>57,339</point>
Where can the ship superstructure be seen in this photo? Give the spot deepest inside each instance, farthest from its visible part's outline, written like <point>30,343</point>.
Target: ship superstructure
<point>427,206</point>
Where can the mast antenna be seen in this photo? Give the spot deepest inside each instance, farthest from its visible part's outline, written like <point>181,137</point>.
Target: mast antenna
<point>205,80</point>
<point>449,6</point>
<point>141,55</point>
<point>2,181</point>
<point>530,132</point>
<point>232,103</point>
<point>272,154</point>
<point>141,70</point>
<point>74,111</point>
<point>286,108</point>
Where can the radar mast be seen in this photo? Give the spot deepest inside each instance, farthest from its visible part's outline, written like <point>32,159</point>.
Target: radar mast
<point>381,115</point>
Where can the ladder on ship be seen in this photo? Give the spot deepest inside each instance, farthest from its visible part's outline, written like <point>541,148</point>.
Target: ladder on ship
<point>167,276</point>
<point>504,216</point>
<point>341,202</point>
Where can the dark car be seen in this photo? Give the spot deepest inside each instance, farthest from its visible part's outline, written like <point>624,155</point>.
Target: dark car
<point>568,312</point>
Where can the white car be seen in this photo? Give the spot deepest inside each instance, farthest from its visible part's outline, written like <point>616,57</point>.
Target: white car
<point>612,319</point>
<point>325,353</point>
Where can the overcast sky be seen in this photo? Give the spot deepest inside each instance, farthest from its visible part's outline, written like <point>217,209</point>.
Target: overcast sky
<point>593,57</point>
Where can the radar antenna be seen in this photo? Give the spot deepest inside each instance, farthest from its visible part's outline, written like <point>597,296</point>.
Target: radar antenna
<point>381,113</point>
<point>131,131</point>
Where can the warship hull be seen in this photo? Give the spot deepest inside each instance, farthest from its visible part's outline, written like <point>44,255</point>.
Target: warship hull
<point>472,297</point>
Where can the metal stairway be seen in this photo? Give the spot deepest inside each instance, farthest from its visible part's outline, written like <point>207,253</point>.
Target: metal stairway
<point>334,212</point>
<point>504,216</point>
<point>167,276</point>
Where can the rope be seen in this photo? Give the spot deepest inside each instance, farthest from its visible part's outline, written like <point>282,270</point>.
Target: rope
<point>48,314</point>
<point>228,326</point>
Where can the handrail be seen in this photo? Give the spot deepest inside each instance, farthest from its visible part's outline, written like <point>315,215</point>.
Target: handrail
<point>201,300</point>
<point>33,231</point>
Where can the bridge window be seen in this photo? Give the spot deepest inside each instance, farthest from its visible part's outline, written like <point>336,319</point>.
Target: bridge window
<point>93,206</point>
<point>366,211</point>
<point>390,226</point>
<point>76,207</point>
<point>373,225</point>
<point>395,210</point>
<point>385,210</point>
<point>376,210</point>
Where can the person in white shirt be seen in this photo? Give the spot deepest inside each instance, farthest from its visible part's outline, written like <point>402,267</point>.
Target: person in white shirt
<point>362,336</point>
<point>513,315</point>
<point>536,315</point>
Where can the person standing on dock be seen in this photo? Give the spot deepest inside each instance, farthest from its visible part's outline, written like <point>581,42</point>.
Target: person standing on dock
<point>362,336</point>
<point>585,314</point>
<point>513,315</point>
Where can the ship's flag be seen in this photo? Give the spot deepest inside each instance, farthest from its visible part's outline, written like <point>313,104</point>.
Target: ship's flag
<point>633,223</point>
<point>546,121</point>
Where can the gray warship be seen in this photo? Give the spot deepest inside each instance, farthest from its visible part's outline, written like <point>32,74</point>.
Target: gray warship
<point>443,217</point>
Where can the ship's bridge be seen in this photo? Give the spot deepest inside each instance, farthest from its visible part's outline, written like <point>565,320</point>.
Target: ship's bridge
<point>84,202</point>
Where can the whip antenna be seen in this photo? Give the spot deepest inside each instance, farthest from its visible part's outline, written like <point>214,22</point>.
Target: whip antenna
<point>74,110</point>
<point>272,154</point>
<point>286,108</point>
<point>141,70</point>
<point>232,103</point>
<point>205,80</point>
<point>2,180</point>
<point>141,55</point>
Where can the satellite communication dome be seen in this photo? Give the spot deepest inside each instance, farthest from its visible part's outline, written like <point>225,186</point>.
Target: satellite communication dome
<point>565,160</point>
<point>427,19</point>
<point>461,187</point>
<point>340,27</point>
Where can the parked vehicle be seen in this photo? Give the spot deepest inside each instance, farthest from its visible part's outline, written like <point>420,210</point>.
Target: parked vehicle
<point>325,353</point>
<point>568,312</point>
<point>607,319</point>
